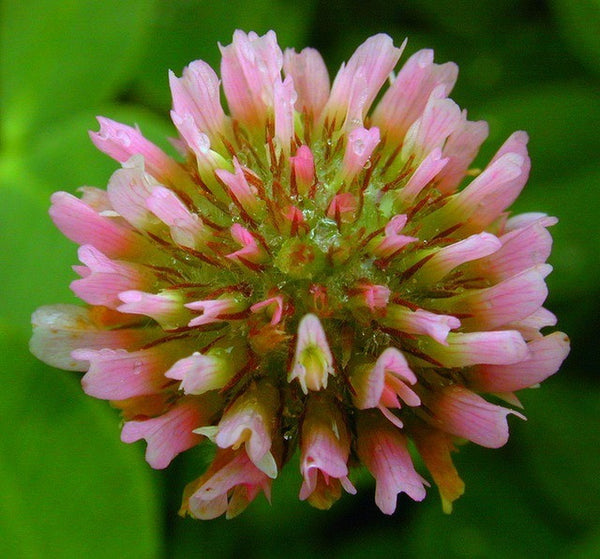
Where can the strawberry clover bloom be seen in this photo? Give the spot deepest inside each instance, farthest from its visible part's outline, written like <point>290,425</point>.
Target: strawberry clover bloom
<point>314,273</point>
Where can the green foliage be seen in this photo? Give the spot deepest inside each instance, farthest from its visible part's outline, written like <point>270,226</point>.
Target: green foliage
<point>579,22</point>
<point>69,487</point>
<point>60,57</point>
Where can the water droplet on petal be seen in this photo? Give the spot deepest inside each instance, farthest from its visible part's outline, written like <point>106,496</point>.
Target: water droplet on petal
<point>358,147</point>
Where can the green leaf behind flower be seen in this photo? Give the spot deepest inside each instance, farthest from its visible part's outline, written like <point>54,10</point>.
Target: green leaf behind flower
<point>57,58</point>
<point>69,487</point>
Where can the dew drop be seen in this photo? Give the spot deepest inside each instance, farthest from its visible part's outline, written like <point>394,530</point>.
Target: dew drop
<point>202,143</point>
<point>123,138</point>
<point>358,147</point>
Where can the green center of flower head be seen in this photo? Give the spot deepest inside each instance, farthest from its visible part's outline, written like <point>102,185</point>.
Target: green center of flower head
<point>319,271</point>
<point>300,260</point>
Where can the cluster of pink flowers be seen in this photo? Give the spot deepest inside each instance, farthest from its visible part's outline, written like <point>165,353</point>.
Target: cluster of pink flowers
<point>315,273</point>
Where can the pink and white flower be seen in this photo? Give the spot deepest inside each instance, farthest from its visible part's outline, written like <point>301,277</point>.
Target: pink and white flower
<point>229,485</point>
<point>313,360</point>
<point>324,451</point>
<point>249,421</point>
<point>383,449</point>
<point>317,271</point>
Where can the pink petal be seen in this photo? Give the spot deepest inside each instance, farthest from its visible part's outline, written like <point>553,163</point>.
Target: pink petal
<point>250,66</point>
<point>103,278</point>
<point>504,347</point>
<point>343,207</point>
<point>171,433</point>
<point>128,190</point>
<point>311,79</point>
<point>390,372</point>
<point>531,325</point>
<point>383,449</point>
<point>393,361</point>
<point>186,227</point>
<point>276,301</point>
<point>460,149</point>
<point>249,421</point>
<point>460,412</point>
<point>313,361</point>
<point>440,118</point>
<point>406,98</point>
<point>492,192</point>
<point>230,473</point>
<point>197,93</point>
<point>239,188</point>
<point>546,356</point>
<point>284,97</point>
<point>421,322</point>
<point>373,296</point>
<point>251,251</point>
<point>445,259</point>
<point>83,225</point>
<point>521,249</point>
<point>200,373</point>
<point>325,445</point>
<point>357,83</point>
<point>120,374</point>
<point>303,169</point>
<point>214,310</point>
<point>199,144</point>
<point>165,307</point>
<point>515,143</point>
<point>359,148</point>
<point>425,173</point>
<point>392,241</point>
<point>60,329</point>
<point>520,221</point>
<point>368,382</point>
<point>121,142</point>
<point>510,300</point>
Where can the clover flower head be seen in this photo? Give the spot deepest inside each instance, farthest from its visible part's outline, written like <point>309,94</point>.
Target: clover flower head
<point>316,271</point>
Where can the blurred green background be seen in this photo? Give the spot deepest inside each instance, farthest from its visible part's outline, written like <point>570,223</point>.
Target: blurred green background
<point>69,488</point>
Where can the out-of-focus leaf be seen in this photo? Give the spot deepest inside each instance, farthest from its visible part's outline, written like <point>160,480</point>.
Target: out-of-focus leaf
<point>57,58</point>
<point>562,448</point>
<point>465,17</point>
<point>69,487</point>
<point>579,24</point>
<point>586,548</point>
<point>494,515</point>
<point>557,119</point>
<point>185,31</point>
